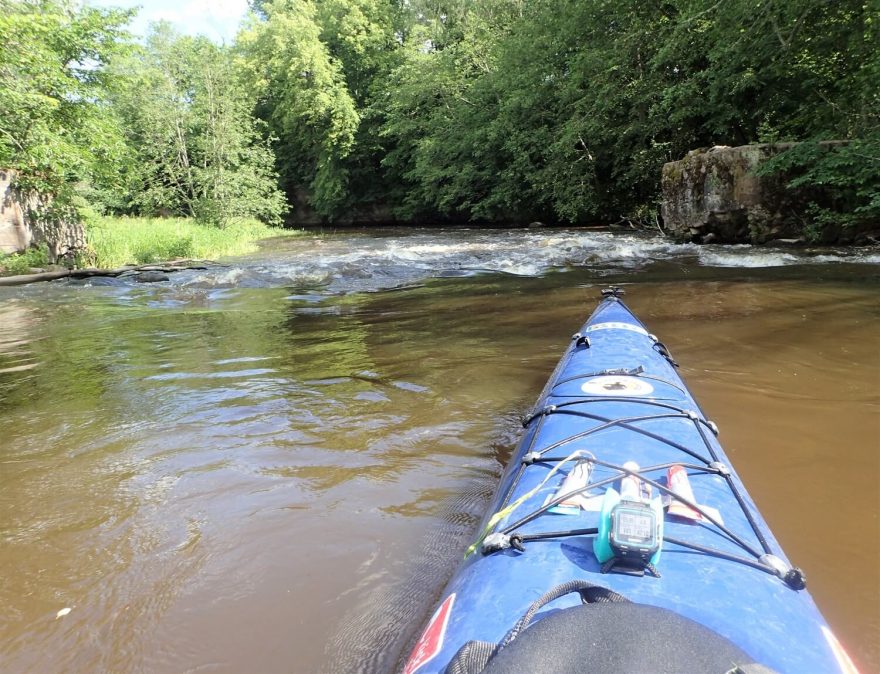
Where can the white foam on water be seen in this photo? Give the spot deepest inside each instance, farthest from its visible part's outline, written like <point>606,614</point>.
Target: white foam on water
<point>213,278</point>
<point>754,256</point>
<point>358,262</point>
<point>860,257</point>
<point>746,256</point>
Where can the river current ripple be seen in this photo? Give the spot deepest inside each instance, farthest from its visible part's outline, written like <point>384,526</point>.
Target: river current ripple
<point>356,261</point>
<point>275,464</point>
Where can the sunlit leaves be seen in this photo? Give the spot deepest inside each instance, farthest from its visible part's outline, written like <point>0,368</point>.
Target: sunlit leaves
<point>303,91</point>
<point>188,119</point>
<point>567,110</point>
<point>53,92</point>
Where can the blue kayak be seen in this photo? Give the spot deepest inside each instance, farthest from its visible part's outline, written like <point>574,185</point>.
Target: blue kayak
<point>621,539</point>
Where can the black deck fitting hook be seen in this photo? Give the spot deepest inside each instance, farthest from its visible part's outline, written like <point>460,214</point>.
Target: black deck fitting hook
<point>795,578</point>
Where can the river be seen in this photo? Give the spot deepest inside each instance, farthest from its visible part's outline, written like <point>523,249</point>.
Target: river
<point>275,466</point>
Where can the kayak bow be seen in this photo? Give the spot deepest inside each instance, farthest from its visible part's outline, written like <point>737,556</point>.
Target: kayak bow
<point>620,538</point>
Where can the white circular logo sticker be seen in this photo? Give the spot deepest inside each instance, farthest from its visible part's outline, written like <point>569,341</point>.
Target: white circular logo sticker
<point>617,386</point>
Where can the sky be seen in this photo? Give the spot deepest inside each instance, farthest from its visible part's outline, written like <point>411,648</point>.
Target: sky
<point>218,19</point>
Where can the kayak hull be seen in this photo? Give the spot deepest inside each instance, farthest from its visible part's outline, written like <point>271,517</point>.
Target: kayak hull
<point>616,397</point>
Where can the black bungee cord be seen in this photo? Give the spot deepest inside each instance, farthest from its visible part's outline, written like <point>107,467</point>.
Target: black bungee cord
<point>764,561</point>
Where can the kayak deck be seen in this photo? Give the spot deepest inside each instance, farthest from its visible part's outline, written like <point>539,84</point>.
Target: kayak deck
<point>615,397</point>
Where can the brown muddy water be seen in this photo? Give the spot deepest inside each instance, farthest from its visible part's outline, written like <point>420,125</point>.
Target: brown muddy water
<point>275,467</point>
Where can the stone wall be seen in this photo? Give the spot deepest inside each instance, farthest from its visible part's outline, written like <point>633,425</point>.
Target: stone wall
<point>29,221</point>
<point>714,195</point>
<point>15,236</point>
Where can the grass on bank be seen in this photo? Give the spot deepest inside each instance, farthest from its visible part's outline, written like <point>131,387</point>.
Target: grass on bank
<point>15,264</point>
<point>118,241</point>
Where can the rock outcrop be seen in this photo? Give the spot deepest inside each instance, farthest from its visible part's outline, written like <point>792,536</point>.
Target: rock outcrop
<point>31,221</point>
<point>714,196</point>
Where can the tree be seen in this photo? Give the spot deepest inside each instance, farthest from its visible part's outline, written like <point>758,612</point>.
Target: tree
<point>302,94</point>
<point>567,110</point>
<point>54,123</point>
<point>188,118</point>
<point>797,70</point>
<point>439,113</point>
<point>503,110</point>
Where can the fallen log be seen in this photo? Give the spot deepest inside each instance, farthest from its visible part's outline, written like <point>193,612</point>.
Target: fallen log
<point>23,279</point>
<point>182,265</point>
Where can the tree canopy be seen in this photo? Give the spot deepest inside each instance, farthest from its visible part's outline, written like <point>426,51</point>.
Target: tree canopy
<point>197,149</point>
<point>499,111</point>
<point>86,113</point>
<point>53,84</point>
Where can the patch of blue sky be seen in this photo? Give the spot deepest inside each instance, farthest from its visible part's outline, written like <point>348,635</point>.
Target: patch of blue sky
<point>217,19</point>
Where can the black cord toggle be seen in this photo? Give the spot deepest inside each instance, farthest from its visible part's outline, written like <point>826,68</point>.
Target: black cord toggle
<point>550,409</point>
<point>494,542</point>
<point>792,576</point>
<point>796,579</point>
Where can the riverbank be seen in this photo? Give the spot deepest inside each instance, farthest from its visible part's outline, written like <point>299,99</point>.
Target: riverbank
<point>114,242</point>
<point>119,241</point>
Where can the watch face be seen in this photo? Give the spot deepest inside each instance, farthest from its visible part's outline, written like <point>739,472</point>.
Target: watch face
<point>634,527</point>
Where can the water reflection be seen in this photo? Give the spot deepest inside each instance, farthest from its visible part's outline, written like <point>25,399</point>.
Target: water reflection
<point>282,478</point>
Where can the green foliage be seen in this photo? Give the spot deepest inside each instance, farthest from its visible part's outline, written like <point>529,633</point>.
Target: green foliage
<point>54,125</point>
<point>839,183</point>
<point>440,117</point>
<point>567,110</point>
<point>22,263</point>
<point>502,110</point>
<point>93,120</point>
<point>358,34</point>
<point>838,64</point>
<point>197,149</point>
<point>118,241</point>
<point>302,92</point>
